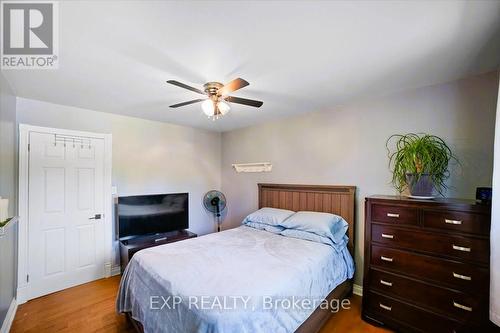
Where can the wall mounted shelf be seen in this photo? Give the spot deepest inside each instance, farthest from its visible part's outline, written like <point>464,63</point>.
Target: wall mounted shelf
<point>253,167</point>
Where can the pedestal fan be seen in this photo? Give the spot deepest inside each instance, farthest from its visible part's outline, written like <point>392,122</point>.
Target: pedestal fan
<point>215,202</point>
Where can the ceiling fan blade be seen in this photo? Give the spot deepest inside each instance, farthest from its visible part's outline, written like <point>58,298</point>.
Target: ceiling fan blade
<point>233,86</point>
<point>188,102</point>
<point>244,101</point>
<point>185,86</point>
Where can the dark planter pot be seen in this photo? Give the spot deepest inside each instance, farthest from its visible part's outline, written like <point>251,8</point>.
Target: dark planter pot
<point>420,186</point>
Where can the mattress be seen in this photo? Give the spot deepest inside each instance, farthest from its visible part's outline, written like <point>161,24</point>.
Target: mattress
<point>239,280</point>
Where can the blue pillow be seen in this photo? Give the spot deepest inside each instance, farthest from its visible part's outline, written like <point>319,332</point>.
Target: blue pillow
<point>294,233</point>
<point>326,225</point>
<point>275,229</point>
<point>270,216</point>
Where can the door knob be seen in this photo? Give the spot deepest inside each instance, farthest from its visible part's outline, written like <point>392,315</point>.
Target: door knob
<point>96,217</point>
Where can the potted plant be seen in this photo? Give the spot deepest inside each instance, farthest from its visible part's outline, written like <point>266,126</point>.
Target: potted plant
<point>419,163</point>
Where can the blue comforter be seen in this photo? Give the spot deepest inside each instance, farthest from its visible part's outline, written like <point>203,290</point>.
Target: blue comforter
<point>239,280</point>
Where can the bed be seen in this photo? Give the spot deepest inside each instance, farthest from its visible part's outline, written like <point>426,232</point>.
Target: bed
<point>244,279</point>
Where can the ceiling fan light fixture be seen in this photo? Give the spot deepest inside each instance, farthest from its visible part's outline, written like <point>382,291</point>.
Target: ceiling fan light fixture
<point>208,107</point>
<point>223,107</point>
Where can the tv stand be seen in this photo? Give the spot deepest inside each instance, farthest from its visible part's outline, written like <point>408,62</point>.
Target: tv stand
<point>130,246</point>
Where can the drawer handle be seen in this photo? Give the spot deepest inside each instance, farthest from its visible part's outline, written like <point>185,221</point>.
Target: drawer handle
<point>387,236</point>
<point>385,307</point>
<point>461,248</point>
<point>462,277</point>
<point>386,283</point>
<point>452,221</point>
<point>392,215</point>
<point>463,307</point>
<point>386,259</point>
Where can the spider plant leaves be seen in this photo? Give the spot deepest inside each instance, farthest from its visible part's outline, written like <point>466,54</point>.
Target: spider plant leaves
<point>419,154</point>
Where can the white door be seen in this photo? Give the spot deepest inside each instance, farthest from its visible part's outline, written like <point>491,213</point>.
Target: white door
<point>65,233</point>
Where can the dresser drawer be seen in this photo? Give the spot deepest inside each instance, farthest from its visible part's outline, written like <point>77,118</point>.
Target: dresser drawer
<point>457,221</point>
<point>445,301</point>
<point>460,247</point>
<point>464,277</point>
<point>395,214</point>
<point>414,317</point>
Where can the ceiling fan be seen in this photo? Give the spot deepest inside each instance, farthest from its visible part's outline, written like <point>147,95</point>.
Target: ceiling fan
<point>215,104</point>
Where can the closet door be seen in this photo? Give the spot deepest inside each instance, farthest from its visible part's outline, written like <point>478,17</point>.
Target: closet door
<point>66,229</point>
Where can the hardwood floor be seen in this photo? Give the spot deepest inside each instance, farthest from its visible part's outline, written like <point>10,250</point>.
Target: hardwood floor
<point>86,308</point>
<point>91,308</point>
<point>349,321</point>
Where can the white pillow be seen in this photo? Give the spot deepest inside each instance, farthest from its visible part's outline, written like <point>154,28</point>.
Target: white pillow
<point>270,216</point>
<point>327,225</point>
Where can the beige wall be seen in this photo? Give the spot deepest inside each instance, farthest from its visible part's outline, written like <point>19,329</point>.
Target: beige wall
<point>8,145</point>
<point>346,145</point>
<point>8,189</point>
<point>495,229</point>
<point>148,156</point>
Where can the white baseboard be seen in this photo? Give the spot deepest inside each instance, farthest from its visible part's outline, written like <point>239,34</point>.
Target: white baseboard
<point>22,295</point>
<point>116,270</point>
<point>357,290</point>
<point>9,318</point>
<point>107,269</point>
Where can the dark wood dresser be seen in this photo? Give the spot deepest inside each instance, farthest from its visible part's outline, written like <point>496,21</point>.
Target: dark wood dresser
<point>427,264</point>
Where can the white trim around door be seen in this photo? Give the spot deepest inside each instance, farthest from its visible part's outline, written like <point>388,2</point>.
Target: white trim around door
<point>23,289</point>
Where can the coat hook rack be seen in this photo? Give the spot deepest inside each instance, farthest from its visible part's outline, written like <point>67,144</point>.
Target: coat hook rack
<point>81,140</point>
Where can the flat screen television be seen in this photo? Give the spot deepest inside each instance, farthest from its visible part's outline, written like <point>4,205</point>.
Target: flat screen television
<point>142,215</point>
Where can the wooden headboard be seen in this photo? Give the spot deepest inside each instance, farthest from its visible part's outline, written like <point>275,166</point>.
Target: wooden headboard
<point>338,200</point>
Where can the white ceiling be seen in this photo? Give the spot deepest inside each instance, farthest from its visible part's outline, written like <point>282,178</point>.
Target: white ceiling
<point>115,56</point>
